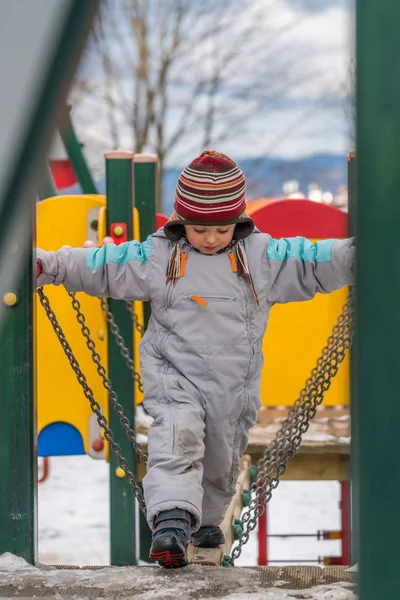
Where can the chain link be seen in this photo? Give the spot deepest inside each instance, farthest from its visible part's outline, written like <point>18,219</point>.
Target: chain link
<point>282,449</point>
<point>95,406</point>
<point>130,433</point>
<point>121,343</point>
<point>135,318</point>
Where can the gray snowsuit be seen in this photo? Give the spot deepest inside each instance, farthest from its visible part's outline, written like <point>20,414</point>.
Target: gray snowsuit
<point>201,364</point>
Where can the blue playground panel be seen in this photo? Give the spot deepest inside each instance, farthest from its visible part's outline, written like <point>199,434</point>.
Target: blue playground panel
<point>60,439</point>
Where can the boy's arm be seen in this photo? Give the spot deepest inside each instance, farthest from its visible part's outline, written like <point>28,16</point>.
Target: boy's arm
<point>298,269</point>
<point>119,272</point>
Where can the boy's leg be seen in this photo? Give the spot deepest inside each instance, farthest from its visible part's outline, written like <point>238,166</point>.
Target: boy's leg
<point>224,445</point>
<point>221,469</point>
<point>176,451</point>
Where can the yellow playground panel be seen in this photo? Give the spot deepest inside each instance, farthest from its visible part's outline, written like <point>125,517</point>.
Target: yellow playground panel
<point>66,424</point>
<point>298,331</point>
<point>296,334</point>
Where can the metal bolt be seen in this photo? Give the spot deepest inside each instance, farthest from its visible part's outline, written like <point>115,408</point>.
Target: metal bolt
<point>118,231</point>
<point>10,299</point>
<point>98,446</point>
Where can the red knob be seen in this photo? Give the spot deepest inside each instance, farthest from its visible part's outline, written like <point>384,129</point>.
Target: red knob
<point>98,445</point>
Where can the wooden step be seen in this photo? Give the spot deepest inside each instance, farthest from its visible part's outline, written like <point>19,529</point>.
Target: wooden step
<point>215,556</point>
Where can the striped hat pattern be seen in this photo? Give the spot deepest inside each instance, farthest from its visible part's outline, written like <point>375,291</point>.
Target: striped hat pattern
<point>211,190</point>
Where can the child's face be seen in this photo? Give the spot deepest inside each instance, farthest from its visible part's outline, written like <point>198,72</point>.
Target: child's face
<point>209,239</point>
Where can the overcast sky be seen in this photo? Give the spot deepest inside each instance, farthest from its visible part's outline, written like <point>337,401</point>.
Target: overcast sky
<point>309,119</point>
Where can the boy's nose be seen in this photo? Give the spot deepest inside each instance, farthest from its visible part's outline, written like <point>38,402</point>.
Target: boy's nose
<point>210,239</point>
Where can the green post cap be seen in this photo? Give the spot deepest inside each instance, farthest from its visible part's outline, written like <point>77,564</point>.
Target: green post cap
<point>253,474</point>
<point>237,530</point>
<point>246,497</point>
<point>227,561</point>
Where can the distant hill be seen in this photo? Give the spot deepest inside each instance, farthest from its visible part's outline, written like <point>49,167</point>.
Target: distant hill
<point>265,176</point>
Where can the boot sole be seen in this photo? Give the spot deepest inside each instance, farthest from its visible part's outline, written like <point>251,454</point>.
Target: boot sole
<point>169,559</point>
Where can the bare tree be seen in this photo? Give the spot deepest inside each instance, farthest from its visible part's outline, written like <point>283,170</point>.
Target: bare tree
<point>169,73</point>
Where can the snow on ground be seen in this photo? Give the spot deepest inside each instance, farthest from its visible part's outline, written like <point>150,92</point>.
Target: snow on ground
<point>73,514</point>
<point>151,583</point>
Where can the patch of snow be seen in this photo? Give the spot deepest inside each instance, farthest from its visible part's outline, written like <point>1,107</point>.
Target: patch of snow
<point>325,592</point>
<point>142,418</point>
<point>312,436</point>
<point>153,583</point>
<point>343,439</point>
<point>74,527</point>
<point>10,562</point>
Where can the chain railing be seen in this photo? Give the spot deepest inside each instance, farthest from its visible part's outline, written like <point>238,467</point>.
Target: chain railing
<point>130,433</point>
<point>273,464</point>
<point>121,343</point>
<point>287,440</point>
<point>135,319</point>
<point>88,392</point>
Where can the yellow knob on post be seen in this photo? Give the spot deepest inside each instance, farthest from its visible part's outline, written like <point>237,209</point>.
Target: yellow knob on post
<point>118,230</point>
<point>10,299</point>
<point>120,472</point>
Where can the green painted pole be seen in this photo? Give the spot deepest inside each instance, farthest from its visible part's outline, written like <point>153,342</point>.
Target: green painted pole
<point>354,397</point>
<point>377,349</point>
<point>46,188</point>
<point>42,98</point>
<point>18,457</point>
<point>122,503</point>
<point>145,177</point>
<point>75,154</point>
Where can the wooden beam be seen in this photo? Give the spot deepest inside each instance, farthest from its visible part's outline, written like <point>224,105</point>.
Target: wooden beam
<point>215,556</point>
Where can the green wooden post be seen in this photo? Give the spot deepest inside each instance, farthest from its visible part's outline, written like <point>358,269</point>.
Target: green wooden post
<point>75,154</point>
<point>145,177</point>
<point>377,348</point>
<point>122,503</point>
<point>62,30</point>
<point>46,188</point>
<point>18,457</point>
<point>145,173</point>
<point>354,407</point>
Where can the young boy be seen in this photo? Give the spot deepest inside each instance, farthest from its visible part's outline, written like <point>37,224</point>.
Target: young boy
<point>211,278</point>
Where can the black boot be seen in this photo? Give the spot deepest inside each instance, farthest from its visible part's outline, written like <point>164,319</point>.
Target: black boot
<point>208,536</point>
<point>171,538</point>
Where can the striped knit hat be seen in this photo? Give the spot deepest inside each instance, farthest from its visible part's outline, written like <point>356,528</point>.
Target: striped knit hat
<point>210,191</point>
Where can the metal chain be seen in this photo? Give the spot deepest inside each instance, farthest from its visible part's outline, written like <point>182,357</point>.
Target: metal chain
<point>320,375</point>
<point>121,343</point>
<point>130,433</point>
<point>282,449</point>
<point>94,405</point>
<point>135,318</point>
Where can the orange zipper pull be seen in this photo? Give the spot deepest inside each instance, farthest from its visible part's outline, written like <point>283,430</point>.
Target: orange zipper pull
<point>199,300</point>
<point>183,264</point>
<point>232,258</point>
